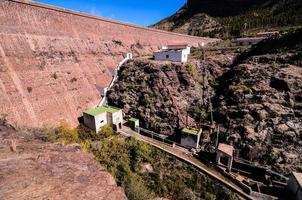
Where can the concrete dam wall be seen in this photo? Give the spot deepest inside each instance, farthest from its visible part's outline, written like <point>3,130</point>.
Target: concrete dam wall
<point>53,60</point>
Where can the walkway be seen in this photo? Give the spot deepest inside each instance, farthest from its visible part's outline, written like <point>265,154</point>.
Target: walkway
<point>181,153</point>
<point>114,78</point>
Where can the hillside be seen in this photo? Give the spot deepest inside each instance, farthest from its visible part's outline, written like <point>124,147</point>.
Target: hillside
<point>230,18</point>
<point>256,98</point>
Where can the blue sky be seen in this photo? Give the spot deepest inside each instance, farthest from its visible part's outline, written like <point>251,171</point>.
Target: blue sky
<point>140,12</point>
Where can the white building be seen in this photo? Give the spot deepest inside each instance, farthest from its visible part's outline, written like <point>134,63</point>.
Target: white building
<point>174,53</point>
<point>96,118</point>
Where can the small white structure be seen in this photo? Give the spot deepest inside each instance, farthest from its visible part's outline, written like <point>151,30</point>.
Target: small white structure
<point>96,118</point>
<point>225,150</point>
<point>294,186</point>
<point>174,53</point>
<point>128,56</point>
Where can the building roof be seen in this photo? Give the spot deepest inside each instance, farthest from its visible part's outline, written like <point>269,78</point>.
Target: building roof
<point>175,46</point>
<point>189,131</point>
<point>226,149</point>
<point>132,119</point>
<point>102,109</point>
<point>298,177</point>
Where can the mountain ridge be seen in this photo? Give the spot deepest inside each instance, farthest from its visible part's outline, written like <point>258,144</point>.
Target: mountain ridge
<point>232,17</point>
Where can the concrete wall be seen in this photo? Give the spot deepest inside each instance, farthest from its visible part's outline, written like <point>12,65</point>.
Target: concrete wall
<point>100,121</point>
<point>117,117</point>
<point>174,56</point>
<point>189,141</point>
<point>53,60</point>
<point>294,189</point>
<point>89,121</point>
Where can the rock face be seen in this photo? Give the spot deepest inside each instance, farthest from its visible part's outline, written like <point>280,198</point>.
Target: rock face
<point>32,169</point>
<point>160,94</point>
<point>256,99</point>
<point>53,61</point>
<point>259,103</point>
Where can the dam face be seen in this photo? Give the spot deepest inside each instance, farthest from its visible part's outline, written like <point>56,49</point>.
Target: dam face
<point>53,60</point>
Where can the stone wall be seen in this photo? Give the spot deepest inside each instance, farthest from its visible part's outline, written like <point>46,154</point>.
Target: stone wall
<point>52,60</point>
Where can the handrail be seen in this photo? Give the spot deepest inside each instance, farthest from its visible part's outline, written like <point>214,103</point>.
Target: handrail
<point>114,78</point>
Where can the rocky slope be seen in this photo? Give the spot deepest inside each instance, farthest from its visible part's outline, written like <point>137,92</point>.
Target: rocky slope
<point>32,169</point>
<point>256,100</point>
<point>161,93</point>
<point>259,103</point>
<point>53,62</point>
<point>232,17</point>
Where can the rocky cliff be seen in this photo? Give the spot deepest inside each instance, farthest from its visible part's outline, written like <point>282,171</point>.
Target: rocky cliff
<point>53,61</point>
<point>256,99</point>
<point>32,169</point>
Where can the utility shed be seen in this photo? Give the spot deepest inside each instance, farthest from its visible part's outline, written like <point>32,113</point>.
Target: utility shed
<point>133,123</point>
<point>294,186</point>
<point>190,137</point>
<point>174,53</point>
<point>225,151</point>
<point>96,118</point>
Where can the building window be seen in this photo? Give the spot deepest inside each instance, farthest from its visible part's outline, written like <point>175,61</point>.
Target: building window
<point>167,56</point>
<point>102,121</point>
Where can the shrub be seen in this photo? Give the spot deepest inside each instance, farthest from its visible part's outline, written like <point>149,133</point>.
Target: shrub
<point>197,112</point>
<point>192,70</point>
<point>67,134</point>
<point>205,134</point>
<point>131,86</point>
<point>147,100</point>
<point>143,84</point>
<point>196,53</point>
<point>106,131</point>
<point>87,134</point>
<point>136,189</point>
<point>167,66</point>
<point>240,88</point>
<point>213,83</point>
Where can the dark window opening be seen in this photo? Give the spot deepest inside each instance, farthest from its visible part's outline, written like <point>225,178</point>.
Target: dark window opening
<point>167,56</point>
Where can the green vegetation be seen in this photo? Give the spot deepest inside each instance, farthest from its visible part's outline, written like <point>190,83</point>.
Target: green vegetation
<point>142,170</point>
<point>271,157</point>
<point>167,66</point>
<point>240,89</point>
<point>197,112</point>
<point>147,100</point>
<point>191,70</point>
<point>131,86</point>
<point>189,131</point>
